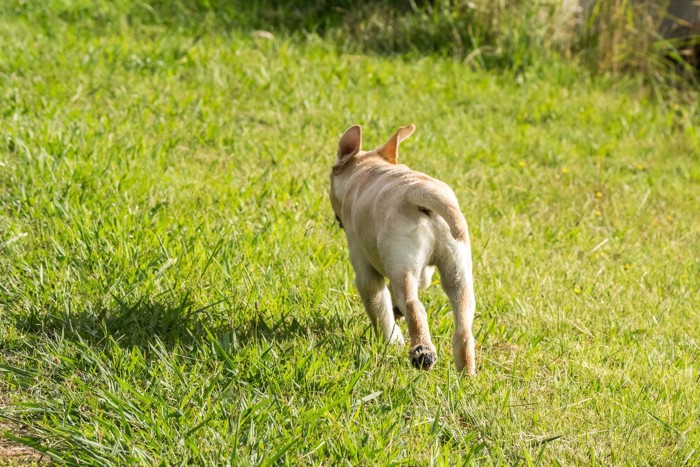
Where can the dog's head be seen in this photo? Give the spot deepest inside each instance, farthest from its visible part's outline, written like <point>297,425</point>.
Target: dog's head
<point>350,153</point>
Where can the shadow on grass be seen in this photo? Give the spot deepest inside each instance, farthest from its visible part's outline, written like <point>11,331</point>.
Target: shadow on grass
<point>146,320</point>
<point>135,324</point>
<point>279,15</point>
<point>384,27</point>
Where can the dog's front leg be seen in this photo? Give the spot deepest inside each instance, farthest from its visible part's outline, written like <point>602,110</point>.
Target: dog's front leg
<point>377,301</point>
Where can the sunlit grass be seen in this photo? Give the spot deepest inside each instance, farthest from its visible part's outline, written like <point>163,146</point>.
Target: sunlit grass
<point>173,287</point>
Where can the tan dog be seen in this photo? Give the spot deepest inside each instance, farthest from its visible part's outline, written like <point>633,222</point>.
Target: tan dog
<point>399,225</point>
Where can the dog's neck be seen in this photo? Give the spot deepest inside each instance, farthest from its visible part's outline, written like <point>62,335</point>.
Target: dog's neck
<point>360,163</point>
<point>339,185</point>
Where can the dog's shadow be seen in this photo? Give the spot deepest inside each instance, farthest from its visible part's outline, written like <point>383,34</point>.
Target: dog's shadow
<point>146,321</point>
<point>137,323</point>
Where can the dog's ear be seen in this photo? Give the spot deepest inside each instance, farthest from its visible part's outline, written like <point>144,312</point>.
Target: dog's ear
<point>349,146</point>
<point>350,143</point>
<point>390,150</point>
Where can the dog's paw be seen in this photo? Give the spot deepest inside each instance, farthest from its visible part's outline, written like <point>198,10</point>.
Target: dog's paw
<point>422,357</point>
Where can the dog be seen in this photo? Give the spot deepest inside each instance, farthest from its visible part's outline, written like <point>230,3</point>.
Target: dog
<point>400,225</point>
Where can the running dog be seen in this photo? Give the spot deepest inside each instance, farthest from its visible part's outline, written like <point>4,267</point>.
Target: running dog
<point>400,225</point>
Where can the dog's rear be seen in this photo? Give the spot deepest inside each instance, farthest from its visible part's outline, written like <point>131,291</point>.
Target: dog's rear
<point>399,224</point>
<point>437,197</point>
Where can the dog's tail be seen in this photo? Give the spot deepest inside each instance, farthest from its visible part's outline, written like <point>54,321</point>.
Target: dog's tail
<point>442,201</point>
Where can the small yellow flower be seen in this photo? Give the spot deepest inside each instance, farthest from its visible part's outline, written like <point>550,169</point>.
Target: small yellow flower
<point>522,164</point>
<point>597,213</point>
<point>627,266</point>
<point>577,290</point>
<point>639,167</point>
<point>669,218</point>
<point>564,170</point>
<point>598,194</point>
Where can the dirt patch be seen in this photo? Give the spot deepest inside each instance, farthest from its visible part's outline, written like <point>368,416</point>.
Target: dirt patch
<point>12,453</point>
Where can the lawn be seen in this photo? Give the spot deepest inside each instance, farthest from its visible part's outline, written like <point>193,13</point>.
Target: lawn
<point>174,288</point>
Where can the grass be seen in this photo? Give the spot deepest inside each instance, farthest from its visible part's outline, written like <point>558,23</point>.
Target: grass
<point>173,287</point>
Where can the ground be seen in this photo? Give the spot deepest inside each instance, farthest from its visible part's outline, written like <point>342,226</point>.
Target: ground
<point>174,288</point>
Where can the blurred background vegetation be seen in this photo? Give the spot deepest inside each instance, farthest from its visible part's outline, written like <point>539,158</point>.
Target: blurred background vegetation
<point>656,39</point>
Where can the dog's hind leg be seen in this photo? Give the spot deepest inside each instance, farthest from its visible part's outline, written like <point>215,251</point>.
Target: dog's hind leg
<point>456,280</point>
<point>377,301</point>
<point>398,314</point>
<point>422,352</point>
<point>426,277</point>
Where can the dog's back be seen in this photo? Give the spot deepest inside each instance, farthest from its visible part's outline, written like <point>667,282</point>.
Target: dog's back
<point>399,224</point>
<point>389,206</point>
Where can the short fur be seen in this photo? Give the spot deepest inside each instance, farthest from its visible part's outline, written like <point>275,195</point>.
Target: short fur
<point>400,224</point>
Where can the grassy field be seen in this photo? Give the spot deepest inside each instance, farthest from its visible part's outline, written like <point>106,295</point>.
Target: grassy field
<point>174,289</point>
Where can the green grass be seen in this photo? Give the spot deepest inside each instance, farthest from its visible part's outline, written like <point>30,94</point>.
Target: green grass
<point>174,289</point>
